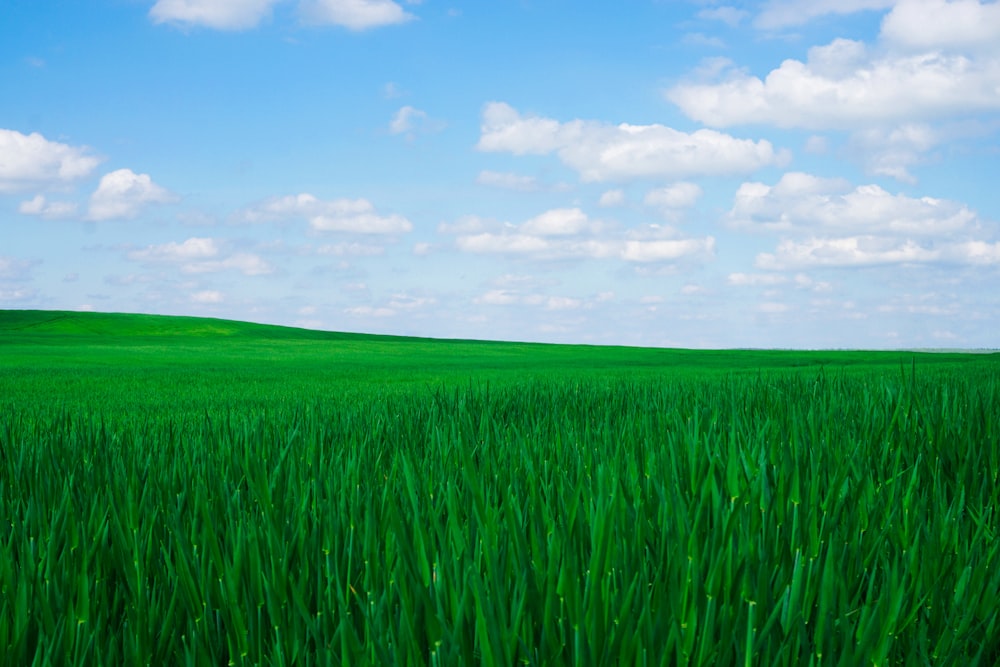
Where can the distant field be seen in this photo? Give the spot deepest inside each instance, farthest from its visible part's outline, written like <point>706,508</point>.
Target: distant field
<point>193,491</point>
<point>130,364</point>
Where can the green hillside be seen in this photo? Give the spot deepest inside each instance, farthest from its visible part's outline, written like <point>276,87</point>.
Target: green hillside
<point>68,323</point>
<point>88,336</point>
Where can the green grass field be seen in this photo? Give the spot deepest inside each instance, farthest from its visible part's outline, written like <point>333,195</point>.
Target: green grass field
<point>190,491</point>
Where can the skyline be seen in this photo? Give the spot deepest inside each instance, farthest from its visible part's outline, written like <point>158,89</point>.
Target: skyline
<point>782,174</point>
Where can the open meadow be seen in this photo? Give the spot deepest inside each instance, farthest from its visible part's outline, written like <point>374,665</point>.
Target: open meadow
<point>179,491</point>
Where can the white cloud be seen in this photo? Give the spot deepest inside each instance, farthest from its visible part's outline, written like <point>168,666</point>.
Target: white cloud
<point>787,13</point>
<point>667,250</point>
<point>842,86</point>
<point>539,247</point>
<point>123,193</point>
<point>756,279</point>
<point>802,281</point>
<point>405,119</point>
<point>508,181</point>
<point>409,302</point>
<point>356,216</point>
<point>802,203</point>
<point>571,234</point>
<point>601,152</point>
<point>558,222</point>
<point>507,297</point>
<point>973,252</point>
<point>829,223</point>
<point>674,196</point>
<point>890,152</point>
<point>943,24</point>
<point>246,263</point>
<point>218,14</point>
<point>844,252</point>
<point>612,198</point>
<point>869,250</point>
<point>207,297</point>
<point>191,249</point>
<point>31,161</point>
<point>40,206</point>
<point>399,303</point>
<point>201,255</point>
<point>412,121</point>
<point>355,14</point>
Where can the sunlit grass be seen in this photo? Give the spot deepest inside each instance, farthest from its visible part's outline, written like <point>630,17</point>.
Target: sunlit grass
<point>286,513</point>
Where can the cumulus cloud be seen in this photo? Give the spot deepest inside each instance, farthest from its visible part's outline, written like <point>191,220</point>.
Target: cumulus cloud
<point>192,249</point>
<point>845,252</point>
<point>50,210</point>
<point>943,24</point>
<point>29,161</point>
<point>571,234</point>
<point>355,14</point>
<point>829,223</point>
<point>201,255</point>
<point>602,152</point>
<point>124,193</point>
<point>558,222</point>
<point>507,297</point>
<point>842,85</point>
<point>803,203</point>
<point>397,304</point>
<point>218,14</point>
<point>355,216</point>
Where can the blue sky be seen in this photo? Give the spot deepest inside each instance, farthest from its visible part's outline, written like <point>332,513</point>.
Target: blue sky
<point>783,173</point>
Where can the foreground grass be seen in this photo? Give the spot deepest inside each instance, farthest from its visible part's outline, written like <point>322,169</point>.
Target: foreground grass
<point>555,507</point>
